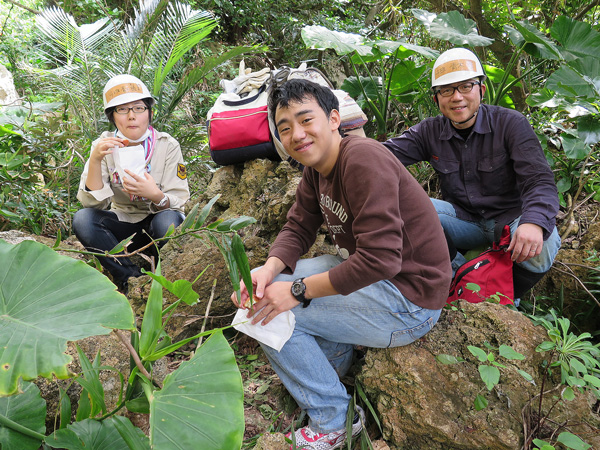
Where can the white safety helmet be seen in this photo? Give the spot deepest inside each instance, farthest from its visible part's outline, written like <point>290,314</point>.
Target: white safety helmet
<point>454,65</point>
<point>123,89</point>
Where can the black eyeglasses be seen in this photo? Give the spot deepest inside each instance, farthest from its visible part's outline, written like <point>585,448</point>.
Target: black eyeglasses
<point>464,88</point>
<point>137,109</point>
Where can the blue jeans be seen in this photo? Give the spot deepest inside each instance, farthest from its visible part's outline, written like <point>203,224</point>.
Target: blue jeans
<point>101,230</point>
<point>468,235</point>
<point>321,347</point>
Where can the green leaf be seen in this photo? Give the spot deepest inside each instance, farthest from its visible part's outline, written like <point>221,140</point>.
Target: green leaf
<point>28,410</point>
<point>201,402</point>
<point>241,260</point>
<point>91,434</point>
<point>197,25</point>
<point>242,222</point>
<point>525,375</point>
<point>121,245</point>
<point>577,366</point>
<point>405,49</point>
<point>182,289</point>
<point>91,382</point>
<point>473,287</point>
<point>545,346</point>
<point>572,441</point>
<point>133,436</point>
<point>58,240</point>
<point>543,445</point>
<point>320,38</point>
<point>490,375</point>
<point>508,353</point>
<point>190,218</point>
<point>152,321</point>
<point>534,41</point>
<point>578,39</point>
<point>205,212</point>
<point>479,353</point>
<point>568,393</point>
<point>225,225</point>
<point>569,80</point>
<point>65,408</point>
<point>588,128</point>
<point>594,381</point>
<point>575,148</point>
<point>46,300</point>
<point>480,402</point>
<point>448,359</point>
<point>84,406</point>
<point>454,28</point>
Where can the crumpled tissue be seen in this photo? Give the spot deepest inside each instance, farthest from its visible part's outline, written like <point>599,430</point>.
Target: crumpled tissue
<point>274,334</point>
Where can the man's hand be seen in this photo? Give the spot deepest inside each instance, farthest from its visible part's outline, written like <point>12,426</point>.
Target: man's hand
<point>261,278</point>
<point>277,298</point>
<point>526,242</point>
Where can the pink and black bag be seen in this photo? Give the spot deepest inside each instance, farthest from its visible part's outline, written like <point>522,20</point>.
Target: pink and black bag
<point>491,271</point>
<point>238,129</point>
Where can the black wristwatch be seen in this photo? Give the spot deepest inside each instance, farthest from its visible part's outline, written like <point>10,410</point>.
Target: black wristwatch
<point>298,291</point>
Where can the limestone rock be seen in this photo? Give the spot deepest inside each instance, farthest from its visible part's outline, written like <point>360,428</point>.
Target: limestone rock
<point>423,404</point>
<point>271,441</point>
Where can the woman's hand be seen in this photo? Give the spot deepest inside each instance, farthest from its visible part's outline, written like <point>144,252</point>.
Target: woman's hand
<point>142,186</point>
<point>105,147</point>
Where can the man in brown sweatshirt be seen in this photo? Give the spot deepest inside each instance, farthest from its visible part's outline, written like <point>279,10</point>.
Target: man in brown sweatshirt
<point>384,288</point>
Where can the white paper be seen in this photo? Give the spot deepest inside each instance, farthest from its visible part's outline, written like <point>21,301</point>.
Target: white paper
<point>131,158</point>
<point>274,334</point>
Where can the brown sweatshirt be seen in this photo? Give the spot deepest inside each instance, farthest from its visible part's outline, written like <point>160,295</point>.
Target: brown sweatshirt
<point>380,220</point>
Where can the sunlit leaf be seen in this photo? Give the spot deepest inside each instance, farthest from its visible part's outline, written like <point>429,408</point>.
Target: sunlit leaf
<point>572,441</point>
<point>48,299</point>
<point>479,353</point>
<point>320,38</point>
<point>490,375</point>
<point>454,28</point>
<point>508,353</point>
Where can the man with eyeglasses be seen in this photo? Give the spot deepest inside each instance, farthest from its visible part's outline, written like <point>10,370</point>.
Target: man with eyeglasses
<point>491,167</point>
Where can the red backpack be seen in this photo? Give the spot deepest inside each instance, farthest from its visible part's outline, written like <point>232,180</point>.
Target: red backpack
<point>491,271</point>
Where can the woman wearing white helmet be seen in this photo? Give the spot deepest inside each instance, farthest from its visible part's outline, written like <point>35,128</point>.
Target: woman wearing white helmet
<point>134,181</point>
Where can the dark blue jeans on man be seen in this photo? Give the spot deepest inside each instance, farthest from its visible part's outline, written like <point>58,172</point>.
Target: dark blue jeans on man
<point>100,230</point>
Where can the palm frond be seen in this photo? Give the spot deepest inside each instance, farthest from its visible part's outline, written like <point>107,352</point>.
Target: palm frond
<point>72,51</point>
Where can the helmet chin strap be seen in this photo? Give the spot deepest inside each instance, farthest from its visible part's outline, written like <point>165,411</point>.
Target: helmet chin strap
<point>465,121</point>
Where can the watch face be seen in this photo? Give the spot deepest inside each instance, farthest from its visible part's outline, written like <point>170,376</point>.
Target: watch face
<point>298,288</point>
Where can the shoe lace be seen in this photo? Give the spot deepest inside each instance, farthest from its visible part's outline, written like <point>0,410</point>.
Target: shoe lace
<point>313,435</point>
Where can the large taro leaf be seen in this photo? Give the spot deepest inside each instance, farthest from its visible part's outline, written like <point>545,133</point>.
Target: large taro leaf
<point>46,300</point>
<point>201,403</point>
<point>27,409</point>
<point>454,28</point>
<point>114,433</point>
<point>320,38</point>
<point>533,41</point>
<point>578,39</point>
<point>576,79</point>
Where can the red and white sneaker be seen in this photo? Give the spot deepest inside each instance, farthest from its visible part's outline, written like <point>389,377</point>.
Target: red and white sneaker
<point>307,439</point>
